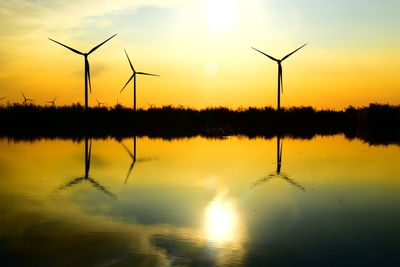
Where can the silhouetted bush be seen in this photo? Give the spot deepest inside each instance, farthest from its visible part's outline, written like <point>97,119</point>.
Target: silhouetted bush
<point>376,124</point>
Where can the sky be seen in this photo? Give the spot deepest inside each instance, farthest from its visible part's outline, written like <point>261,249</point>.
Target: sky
<point>202,51</point>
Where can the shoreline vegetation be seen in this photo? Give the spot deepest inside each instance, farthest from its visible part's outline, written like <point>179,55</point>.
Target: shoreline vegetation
<point>374,124</point>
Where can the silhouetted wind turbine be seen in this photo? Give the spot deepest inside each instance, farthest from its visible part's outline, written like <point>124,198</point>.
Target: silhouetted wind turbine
<point>87,67</point>
<point>278,173</point>
<point>53,102</point>
<point>99,103</point>
<point>78,180</point>
<point>26,99</point>
<point>280,79</point>
<point>134,80</point>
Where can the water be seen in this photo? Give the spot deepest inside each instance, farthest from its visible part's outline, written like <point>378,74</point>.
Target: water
<point>199,202</point>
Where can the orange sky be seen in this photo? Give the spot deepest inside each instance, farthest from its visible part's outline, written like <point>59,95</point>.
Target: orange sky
<point>202,50</point>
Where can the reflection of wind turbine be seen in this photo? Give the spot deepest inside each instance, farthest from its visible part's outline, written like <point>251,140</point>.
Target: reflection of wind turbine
<point>133,157</point>
<point>53,102</point>
<point>26,99</point>
<point>99,103</point>
<point>87,67</point>
<point>78,180</point>
<point>134,80</point>
<point>278,173</point>
<point>280,73</point>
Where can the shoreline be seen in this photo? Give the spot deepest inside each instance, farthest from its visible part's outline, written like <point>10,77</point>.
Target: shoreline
<point>375,124</point>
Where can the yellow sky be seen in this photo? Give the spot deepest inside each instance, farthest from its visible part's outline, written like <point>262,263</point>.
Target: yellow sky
<point>202,51</point>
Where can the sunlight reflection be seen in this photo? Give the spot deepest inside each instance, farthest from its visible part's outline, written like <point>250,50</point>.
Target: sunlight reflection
<point>221,220</point>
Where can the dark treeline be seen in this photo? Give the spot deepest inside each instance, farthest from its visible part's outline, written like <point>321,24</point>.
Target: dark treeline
<point>375,124</point>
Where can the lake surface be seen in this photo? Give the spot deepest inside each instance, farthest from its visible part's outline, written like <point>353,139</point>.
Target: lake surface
<point>236,201</point>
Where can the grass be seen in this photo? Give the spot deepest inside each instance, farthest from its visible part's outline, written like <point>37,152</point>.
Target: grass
<point>376,123</point>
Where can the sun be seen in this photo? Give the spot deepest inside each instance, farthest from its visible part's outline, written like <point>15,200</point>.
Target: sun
<point>221,14</point>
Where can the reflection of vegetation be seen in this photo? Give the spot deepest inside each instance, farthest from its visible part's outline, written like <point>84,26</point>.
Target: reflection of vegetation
<point>376,124</point>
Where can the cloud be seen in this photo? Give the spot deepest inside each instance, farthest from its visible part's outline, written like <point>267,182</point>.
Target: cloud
<point>18,16</point>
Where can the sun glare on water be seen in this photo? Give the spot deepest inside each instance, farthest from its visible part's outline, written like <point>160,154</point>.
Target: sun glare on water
<point>221,221</point>
<point>221,14</point>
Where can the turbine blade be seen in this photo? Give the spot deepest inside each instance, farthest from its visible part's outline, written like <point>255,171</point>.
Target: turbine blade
<point>129,172</point>
<point>265,54</point>
<point>127,83</point>
<point>100,187</point>
<point>288,55</point>
<point>23,95</point>
<point>130,63</point>
<point>88,74</point>
<point>70,48</point>
<point>293,182</point>
<point>71,183</point>
<point>94,48</point>
<point>144,73</point>
<point>262,180</point>
<point>127,150</point>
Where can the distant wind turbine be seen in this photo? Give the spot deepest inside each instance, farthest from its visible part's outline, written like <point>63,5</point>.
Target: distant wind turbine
<point>280,79</point>
<point>278,173</point>
<point>99,103</point>
<point>87,67</point>
<point>134,80</point>
<point>26,99</point>
<point>53,102</point>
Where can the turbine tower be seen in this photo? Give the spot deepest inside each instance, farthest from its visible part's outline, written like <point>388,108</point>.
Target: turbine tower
<point>87,67</point>
<point>280,79</point>
<point>134,80</point>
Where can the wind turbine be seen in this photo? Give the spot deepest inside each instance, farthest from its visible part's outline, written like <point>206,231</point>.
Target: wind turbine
<point>26,99</point>
<point>134,80</point>
<point>280,79</point>
<point>78,180</point>
<point>277,173</point>
<point>53,102</point>
<point>99,103</point>
<point>87,67</point>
